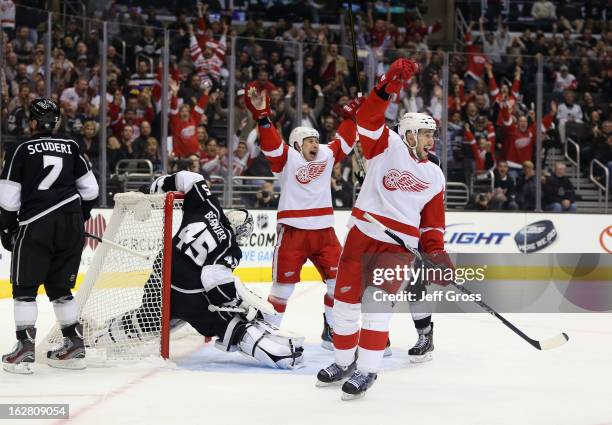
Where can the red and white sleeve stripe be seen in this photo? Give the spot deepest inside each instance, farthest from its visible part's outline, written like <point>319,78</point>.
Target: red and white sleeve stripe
<point>373,133</point>
<point>343,142</point>
<point>273,148</point>
<point>433,224</point>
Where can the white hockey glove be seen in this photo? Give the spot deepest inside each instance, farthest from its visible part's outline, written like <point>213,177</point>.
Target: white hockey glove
<point>227,293</point>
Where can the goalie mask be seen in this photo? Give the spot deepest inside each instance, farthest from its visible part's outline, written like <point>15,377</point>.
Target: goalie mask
<point>413,122</point>
<point>242,224</point>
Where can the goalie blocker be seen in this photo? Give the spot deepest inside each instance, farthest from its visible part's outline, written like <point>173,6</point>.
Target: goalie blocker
<point>204,292</point>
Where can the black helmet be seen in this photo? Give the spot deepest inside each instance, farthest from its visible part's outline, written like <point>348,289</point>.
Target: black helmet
<point>46,113</point>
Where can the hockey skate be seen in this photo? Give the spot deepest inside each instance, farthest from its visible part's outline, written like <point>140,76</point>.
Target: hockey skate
<point>21,359</point>
<point>334,374</point>
<point>357,385</point>
<point>423,349</point>
<point>327,335</point>
<point>71,354</point>
<point>388,352</point>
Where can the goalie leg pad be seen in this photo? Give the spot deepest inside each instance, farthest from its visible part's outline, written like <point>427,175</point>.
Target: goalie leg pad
<point>264,342</point>
<point>270,346</point>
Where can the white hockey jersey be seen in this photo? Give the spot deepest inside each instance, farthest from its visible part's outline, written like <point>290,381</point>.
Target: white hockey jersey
<point>403,193</point>
<point>305,200</point>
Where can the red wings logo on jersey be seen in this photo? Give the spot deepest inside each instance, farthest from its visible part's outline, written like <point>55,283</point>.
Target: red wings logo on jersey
<point>311,171</point>
<point>404,181</point>
<point>96,226</point>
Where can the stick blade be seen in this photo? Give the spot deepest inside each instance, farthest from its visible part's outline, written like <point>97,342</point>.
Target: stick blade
<point>554,342</point>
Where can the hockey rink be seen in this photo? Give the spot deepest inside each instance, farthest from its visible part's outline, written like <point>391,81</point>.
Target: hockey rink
<point>481,374</point>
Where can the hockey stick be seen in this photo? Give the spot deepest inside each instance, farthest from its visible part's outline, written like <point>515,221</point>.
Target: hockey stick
<point>360,177</point>
<point>547,344</point>
<point>117,246</point>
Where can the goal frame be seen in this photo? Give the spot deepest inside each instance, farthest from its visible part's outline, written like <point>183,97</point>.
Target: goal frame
<point>171,197</point>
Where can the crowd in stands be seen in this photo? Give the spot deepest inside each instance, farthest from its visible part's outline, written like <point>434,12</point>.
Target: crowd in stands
<point>491,98</point>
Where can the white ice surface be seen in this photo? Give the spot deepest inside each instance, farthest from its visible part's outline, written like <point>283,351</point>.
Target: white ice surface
<point>481,374</point>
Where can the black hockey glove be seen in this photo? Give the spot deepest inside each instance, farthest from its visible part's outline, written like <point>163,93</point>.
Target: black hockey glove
<point>86,207</point>
<point>9,237</point>
<point>223,294</point>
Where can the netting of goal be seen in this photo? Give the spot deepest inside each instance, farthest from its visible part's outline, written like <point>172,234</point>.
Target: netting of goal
<point>114,284</point>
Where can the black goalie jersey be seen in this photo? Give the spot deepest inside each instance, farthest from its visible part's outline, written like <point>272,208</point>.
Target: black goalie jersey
<point>205,236</point>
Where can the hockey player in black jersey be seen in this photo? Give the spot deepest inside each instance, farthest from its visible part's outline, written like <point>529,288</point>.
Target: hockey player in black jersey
<point>204,292</point>
<point>47,190</point>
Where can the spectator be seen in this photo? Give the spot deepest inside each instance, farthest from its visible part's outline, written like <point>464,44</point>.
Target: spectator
<point>76,97</point>
<point>82,69</point>
<point>240,158</point>
<point>142,79</point>
<point>558,191</point>
<point>568,111</point>
<point>183,122</point>
<point>342,190</point>
<point>476,60</point>
<point>142,140</point>
<point>240,111</point>
<point>504,190</point>
<point>202,135</point>
<point>21,100</point>
<point>127,140</point>
<point>73,121</point>
<point>114,153</point>
<point>36,69</point>
<point>506,95</point>
<point>18,121</point>
<point>207,54</point>
<point>211,162</point>
<point>481,149</point>
<point>22,46</point>
<point>89,143</point>
<point>265,197</point>
<point>413,102</point>
<point>332,63</point>
<point>10,67</point>
<point>22,76</point>
<point>148,46</point>
<point>519,139</point>
<point>190,93</point>
<point>480,202</point>
<point>151,152</point>
<point>328,130</point>
<point>309,116</point>
<point>483,128</point>
<point>262,82</point>
<point>7,16</point>
<point>526,187</point>
<point>564,80</point>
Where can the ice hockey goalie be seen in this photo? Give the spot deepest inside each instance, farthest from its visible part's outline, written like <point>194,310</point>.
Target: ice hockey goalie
<point>204,292</point>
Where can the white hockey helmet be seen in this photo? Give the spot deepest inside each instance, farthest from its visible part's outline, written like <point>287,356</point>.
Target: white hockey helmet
<point>298,134</point>
<point>415,121</point>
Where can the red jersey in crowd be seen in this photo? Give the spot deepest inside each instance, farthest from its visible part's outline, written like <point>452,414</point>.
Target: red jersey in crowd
<point>476,60</point>
<point>498,97</point>
<point>518,145</point>
<point>184,134</point>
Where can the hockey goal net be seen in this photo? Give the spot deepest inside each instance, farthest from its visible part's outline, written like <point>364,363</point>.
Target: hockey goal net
<point>114,285</point>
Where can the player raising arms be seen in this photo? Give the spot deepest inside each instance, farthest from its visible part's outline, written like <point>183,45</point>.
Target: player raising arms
<point>305,216</point>
<point>405,192</point>
<point>204,291</point>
